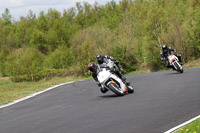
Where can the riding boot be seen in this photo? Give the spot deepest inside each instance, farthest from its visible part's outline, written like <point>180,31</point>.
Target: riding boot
<point>103,90</point>
<point>123,78</point>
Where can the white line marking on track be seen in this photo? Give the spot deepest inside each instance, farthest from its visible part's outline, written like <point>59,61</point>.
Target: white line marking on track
<point>34,94</point>
<point>181,125</point>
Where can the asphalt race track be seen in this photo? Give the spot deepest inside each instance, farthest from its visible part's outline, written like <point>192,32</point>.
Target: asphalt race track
<point>162,100</point>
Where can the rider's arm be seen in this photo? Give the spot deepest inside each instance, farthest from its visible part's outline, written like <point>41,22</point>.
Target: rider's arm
<point>172,49</point>
<point>116,62</point>
<point>112,59</point>
<point>161,55</point>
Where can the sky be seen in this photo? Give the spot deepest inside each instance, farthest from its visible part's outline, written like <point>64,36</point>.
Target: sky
<point>19,8</point>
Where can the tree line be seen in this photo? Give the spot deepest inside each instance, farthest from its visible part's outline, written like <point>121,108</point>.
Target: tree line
<point>63,43</point>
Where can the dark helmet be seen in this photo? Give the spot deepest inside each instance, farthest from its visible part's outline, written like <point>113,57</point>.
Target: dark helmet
<point>164,48</point>
<point>92,66</point>
<point>99,58</point>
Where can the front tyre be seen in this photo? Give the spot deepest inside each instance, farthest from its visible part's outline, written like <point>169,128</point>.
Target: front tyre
<point>116,89</point>
<point>177,67</point>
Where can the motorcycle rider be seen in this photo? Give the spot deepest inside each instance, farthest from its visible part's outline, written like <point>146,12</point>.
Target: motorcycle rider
<point>166,51</point>
<point>93,68</point>
<point>104,59</point>
<point>117,70</point>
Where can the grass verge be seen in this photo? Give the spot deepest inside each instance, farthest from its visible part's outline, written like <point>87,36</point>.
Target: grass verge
<point>193,127</point>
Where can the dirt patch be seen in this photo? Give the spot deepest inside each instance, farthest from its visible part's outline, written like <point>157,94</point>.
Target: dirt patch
<point>4,78</point>
<point>195,63</point>
<point>144,68</point>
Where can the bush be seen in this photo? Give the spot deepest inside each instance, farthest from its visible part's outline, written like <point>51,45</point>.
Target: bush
<point>87,43</point>
<point>25,64</point>
<point>61,58</point>
<point>71,71</point>
<point>49,73</point>
<point>3,60</point>
<point>127,59</point>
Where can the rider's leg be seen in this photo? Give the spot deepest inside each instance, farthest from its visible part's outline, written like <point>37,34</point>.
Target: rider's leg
<point>124,80</point>
<point>179,58</point>
<point>167,64</point>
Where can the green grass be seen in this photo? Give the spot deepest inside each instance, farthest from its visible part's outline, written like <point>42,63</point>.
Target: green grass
<point>3,83</point>
<point>193,127</point>
<point>138,72</point>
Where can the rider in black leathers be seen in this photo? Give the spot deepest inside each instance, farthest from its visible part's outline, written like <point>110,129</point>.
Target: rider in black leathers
<point>166,51</point>
<point>117,70</point>
<point>93,68</point>
<point>104,59</point>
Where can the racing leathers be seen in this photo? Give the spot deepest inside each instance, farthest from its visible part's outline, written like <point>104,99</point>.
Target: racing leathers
<point>116,69</point>
<point>164,56</point>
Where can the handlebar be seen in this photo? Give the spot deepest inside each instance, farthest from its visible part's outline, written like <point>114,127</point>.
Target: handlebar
<point>104,67</point>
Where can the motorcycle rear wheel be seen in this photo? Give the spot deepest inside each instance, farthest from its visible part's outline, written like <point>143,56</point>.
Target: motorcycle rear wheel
<point>130,89</point>
<point>181,70</point>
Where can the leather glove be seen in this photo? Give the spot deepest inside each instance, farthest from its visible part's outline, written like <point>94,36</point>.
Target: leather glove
<point>112,70</point>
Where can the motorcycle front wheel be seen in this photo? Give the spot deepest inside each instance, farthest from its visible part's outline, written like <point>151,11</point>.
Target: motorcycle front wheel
<point>178,68</point>
<point>116,89</point>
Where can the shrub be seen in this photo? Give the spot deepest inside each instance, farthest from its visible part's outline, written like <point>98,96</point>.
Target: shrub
<point>61,58</point>
<point>25,64</point>
<point>3,61</point>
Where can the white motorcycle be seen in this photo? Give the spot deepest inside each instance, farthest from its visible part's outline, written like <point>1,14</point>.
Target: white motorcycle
<point>174,61</point>
<point>111,82</point>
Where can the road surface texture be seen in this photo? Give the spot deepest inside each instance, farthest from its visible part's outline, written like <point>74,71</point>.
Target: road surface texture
<point>162,100</point>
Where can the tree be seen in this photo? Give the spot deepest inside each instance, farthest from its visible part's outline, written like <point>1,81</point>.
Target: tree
<point>196,33</point>
<point>6,16</point>
<point>85,56</point>
<point>61,58</point>
<point>124,48</point>
<point>3,60</point>
<point>38,40</point>
<point>32,61</point>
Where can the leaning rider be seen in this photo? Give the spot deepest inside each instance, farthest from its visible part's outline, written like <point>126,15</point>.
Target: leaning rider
<point>104,59</point>
<point>166,51</point>
<point>93,68</point>
<point>116,69</point>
